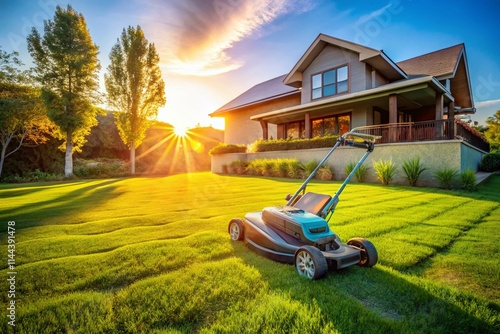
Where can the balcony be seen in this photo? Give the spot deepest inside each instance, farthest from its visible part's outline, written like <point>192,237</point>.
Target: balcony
<point>446,129</point>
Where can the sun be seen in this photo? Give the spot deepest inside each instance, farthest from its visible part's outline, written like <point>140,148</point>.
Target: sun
<point>180,131</point>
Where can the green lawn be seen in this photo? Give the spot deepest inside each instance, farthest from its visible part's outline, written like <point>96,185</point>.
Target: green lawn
<point>153,255</point>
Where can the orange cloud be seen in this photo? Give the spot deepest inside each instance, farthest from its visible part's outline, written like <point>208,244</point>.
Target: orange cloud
<point>195,35</point>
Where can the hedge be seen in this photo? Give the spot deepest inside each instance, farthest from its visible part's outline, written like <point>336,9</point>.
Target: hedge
<point>491,162</point>
<point>293,144</point>
<point>222,148</point>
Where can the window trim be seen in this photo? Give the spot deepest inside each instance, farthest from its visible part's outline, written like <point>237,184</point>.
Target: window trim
<point>322,87</point>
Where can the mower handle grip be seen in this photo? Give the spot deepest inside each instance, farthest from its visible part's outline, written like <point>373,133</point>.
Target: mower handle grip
<point>350,142</point>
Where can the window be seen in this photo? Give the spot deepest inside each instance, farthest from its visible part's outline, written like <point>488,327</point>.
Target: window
<point>330,82</point>
<point>338,124</point>
<point>295,130</point>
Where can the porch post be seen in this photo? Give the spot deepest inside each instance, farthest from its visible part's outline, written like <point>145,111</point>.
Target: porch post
<point>451,120</point>
<point>393,108</point>
<point>308,126</point>
<point>439,114</point>
<point>265,129</point>
<point>393,117</point>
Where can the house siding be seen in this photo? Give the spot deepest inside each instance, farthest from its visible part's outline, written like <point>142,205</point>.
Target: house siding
<point>331,57</point>
<point>240,129</point>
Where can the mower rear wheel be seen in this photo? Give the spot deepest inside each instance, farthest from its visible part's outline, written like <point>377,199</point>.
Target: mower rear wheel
<point>369,255</point>
<point>236,229</point>
<point>310,262</point>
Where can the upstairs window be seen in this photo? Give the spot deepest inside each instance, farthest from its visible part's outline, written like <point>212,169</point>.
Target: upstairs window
<point>331,82</point>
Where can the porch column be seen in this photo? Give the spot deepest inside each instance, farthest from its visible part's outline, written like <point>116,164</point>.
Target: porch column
<point>439,114</point>
<point>451,110</point>
<point>451,116</point>
<point>308,126</point>
<point>439,106</point>
<point>265,129</point>
<point>393,117</point>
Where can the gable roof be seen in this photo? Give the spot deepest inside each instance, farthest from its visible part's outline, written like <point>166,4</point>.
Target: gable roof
<point>376,58</point>
<point>440,63</point>
<point>264,91</point>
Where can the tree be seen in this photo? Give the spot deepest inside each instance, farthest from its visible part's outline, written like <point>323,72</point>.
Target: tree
<point>493,131</point>
<point>67,67</point>
<point>22,118</point>
<point>134,86</point>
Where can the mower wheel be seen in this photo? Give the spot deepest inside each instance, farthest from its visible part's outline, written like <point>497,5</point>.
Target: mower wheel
<point>236,229</point>
<point>369,255</point>
<point>310,262</point>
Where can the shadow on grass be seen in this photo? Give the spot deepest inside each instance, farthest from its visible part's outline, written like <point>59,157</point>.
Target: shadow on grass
<point>46,212</point>
<point>378,300</point>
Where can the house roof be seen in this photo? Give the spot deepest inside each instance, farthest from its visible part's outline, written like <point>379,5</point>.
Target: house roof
<point>376,58</point>
<point>264,91</point>
<point>440,63</point>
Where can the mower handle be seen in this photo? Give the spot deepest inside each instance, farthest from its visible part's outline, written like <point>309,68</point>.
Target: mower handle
<point>364,144</point>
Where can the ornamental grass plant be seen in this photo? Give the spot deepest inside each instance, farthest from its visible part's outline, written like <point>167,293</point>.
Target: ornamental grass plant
<point>413,168</point>
<point>385,170</point>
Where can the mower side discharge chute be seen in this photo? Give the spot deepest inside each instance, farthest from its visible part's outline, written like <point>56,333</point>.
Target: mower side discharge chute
<point>298,232</point>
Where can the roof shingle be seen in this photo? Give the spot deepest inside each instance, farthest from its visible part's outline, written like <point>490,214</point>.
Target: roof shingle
<point>266,90</point>
<point>438,63</point>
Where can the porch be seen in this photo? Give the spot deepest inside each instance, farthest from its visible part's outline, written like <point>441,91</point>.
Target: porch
<point>446,129</point>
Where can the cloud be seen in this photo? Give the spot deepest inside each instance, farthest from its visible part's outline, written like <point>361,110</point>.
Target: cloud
<point>196,35</point>
<point>485,109</point>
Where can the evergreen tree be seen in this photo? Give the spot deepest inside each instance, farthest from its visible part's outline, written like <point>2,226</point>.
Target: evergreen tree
<point>67,68</point>
<point>135,87</point>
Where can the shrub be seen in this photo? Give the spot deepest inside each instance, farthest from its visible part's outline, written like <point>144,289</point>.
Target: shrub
<point>360,173</point>
<point>293,144</point>
<point>491,162</point>
<point>446,177</point>
<point>295,169</point>
<point>35,176</point>
<point>238,167</point>
<point>261,167</point>
<point>325,173</point>
<point>385,170</point>
<point>413,169</point>
<point>280,167</point>
<point>468,180</point>
<point>309,167</point>
<point>222,148</point>
<point>99,168</point>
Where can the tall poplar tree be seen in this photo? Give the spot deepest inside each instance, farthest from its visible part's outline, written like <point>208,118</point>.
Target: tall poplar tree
<point>67,68</point>
<point>135,87</point>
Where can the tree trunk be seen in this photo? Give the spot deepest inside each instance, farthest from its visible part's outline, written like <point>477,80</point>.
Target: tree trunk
<point>2,157</point>
<point>132,159</point>
<point>68,158</point>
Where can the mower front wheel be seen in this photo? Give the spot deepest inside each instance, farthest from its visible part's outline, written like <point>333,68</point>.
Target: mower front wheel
<point>236,229</point>
<point>369,255</point>
<point>310,262</point>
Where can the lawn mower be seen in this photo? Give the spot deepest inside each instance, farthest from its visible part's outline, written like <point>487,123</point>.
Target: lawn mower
<point>298,232</point>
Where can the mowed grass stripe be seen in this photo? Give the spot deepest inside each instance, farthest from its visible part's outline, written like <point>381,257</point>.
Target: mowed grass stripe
<point>153,255</point>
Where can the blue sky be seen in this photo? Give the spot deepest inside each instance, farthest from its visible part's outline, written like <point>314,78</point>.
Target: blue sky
<point>213,50</point>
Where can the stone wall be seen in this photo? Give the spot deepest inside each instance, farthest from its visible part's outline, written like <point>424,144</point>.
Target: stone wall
<point>434,155</point>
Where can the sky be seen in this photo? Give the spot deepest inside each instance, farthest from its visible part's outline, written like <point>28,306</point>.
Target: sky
<point>213,50</point>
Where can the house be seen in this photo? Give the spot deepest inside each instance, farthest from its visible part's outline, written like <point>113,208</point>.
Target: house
<point>338,85</point>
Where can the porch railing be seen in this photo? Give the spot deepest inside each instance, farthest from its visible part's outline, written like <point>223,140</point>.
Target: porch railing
<point>425,131</point>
